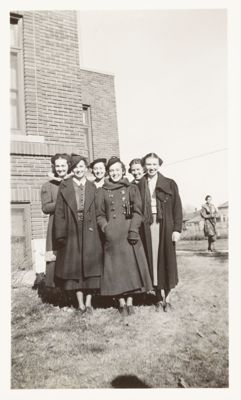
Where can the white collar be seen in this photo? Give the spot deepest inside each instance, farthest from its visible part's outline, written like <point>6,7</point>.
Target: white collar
<point>80,182</point>
<point>153,179</point>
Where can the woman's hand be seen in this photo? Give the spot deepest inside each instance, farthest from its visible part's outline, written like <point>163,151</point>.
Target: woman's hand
<point>133,241</point>
<point>176,236</point>
<point>133,237</point>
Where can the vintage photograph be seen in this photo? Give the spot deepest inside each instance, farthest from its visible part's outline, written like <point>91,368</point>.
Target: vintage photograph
<point>119,199</point>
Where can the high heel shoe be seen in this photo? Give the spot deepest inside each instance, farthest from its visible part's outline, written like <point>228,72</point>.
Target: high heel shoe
<point>89,310</point>
<point>81,311</point>
<point>130,310</point>
<point>123,310</point>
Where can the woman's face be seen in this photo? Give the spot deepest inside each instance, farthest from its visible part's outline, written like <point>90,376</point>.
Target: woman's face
<point>152,166</point>
<point>209,199</point>
<point>99,170</point>
<point>116,172</point>
<point>137,171</point>
<point>80,169</point>
<point>61,167</point>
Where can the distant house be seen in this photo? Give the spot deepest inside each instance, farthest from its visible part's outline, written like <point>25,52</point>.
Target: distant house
<point>193,223</point>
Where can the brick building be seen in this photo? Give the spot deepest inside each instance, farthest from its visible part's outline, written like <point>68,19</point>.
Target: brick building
<point>55,107</point>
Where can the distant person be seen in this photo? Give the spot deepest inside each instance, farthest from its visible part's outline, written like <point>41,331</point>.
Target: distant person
<point>80,256</point>
<point>98,168</point>
<point>60,168</point>
<point>119,216</point>
<point>209,213</point>
<point>162,209</point>
<point>136,169</point>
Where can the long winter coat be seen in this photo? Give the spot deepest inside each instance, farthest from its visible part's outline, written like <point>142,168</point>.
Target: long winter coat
<point>125,266</point>
<point>49,193</point>
<point>69,259</point>
<point>209,214</point>
<point>171,209</point>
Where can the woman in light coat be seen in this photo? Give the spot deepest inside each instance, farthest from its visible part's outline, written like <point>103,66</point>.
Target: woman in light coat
<point>209,213</point>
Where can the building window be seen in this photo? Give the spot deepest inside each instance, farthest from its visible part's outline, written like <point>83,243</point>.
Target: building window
<point>16,75</point>
<point>87,130</point>
<point>20,236</point>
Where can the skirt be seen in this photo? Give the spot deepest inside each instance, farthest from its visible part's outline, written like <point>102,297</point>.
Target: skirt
<point>155,229</point>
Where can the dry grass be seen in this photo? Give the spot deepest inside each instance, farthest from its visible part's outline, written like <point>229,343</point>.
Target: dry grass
<point>201,245</point>
<point>54,347</point>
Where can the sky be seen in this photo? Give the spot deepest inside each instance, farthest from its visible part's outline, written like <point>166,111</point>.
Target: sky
<point>170,69</point>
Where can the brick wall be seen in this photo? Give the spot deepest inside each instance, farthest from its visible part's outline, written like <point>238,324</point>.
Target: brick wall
<point>54,90</point>
<point>52,79</point>
<point>99,93</point>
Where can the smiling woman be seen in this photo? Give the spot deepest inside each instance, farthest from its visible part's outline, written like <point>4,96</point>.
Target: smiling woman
<point>60,167</point>
<point>79,258</point>
<point>162,209</point>
<point>118,205</point>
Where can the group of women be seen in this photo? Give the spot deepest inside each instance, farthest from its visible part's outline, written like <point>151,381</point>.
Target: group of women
<point>111,236</point>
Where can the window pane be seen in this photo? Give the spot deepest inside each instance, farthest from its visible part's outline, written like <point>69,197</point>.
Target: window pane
<point>85,116</point>
<point>14,110</point>
<point>14,70</point>
<point>14,35</point>
<point>86,141</point>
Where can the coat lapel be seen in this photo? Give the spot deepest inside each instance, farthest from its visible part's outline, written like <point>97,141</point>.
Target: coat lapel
<point>163,184</point>
<point>69,195</point>
<point>89,195</point>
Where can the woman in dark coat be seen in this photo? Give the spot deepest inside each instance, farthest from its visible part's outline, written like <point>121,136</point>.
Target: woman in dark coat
<point>80,256</point>
<point>161,228</point>
<point>119,216</point>
<point>209,213</point>
<point>60,167</point>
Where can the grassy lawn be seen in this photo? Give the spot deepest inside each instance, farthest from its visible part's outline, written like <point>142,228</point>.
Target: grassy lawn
<point>54,347</point>
<point>201,245</point>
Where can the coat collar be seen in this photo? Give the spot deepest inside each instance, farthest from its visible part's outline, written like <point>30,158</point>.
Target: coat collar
<point>162,184</point>
<point>67,189</point>
<point>115,185</point>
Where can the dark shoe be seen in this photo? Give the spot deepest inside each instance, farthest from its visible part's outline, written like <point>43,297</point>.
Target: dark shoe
<point>130,310</point>
<point>160,306</point>
<point>123,311</point>
<point>81,311</point>
<point>89,310</point>
<point>167,306</point>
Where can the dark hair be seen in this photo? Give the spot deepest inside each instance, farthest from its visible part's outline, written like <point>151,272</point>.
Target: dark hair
<point>59,156</point>
<point>114,160</point>
<point>208,195</point>
<point>75,159</point>
<point>98,160</point>
<point>133,162</point>
<point>153,155</point>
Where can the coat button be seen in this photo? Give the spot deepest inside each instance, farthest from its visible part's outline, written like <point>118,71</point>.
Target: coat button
<point>112,209</point>
<point>114,216</point>
<point>123,192</point>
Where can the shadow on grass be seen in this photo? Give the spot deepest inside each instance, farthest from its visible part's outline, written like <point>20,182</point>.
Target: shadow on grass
<point>128,382</point>
<point>59,297</point>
